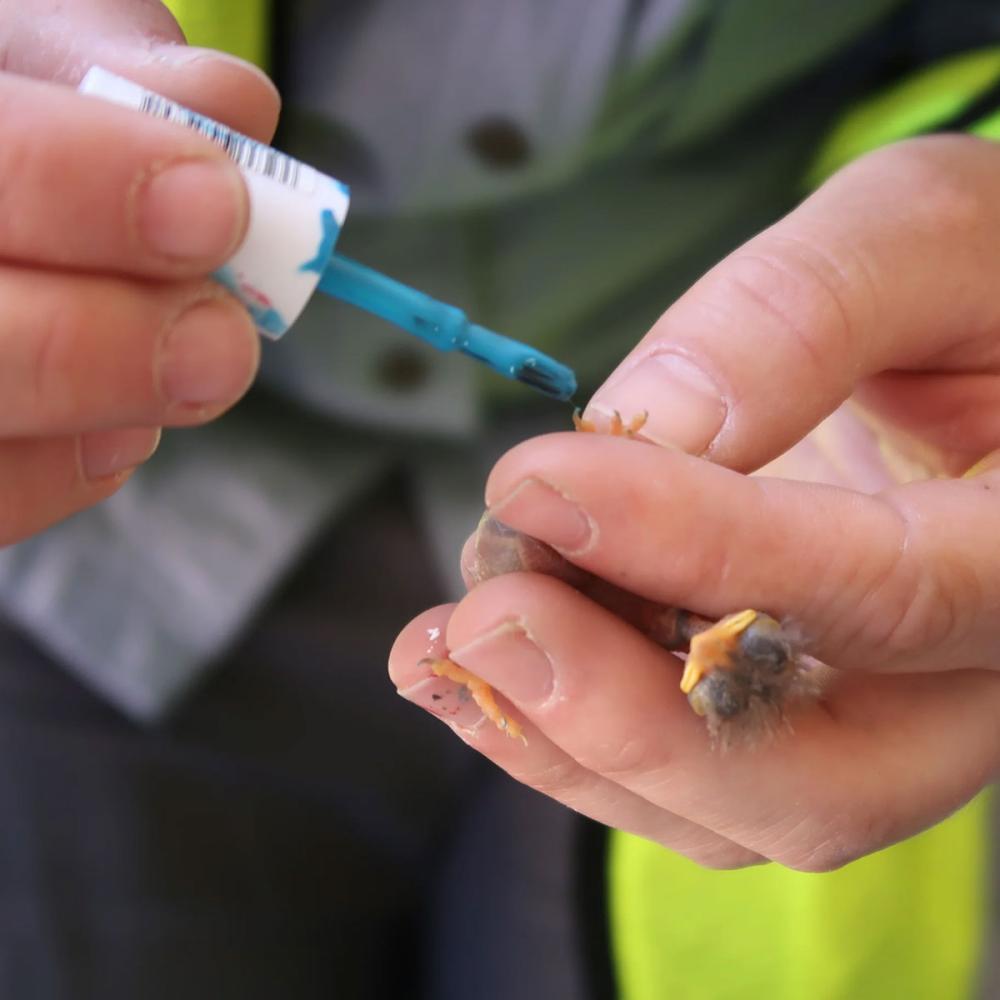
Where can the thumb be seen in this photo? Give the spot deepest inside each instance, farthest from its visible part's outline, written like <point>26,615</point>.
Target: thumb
<point>59,41</point>
<point>890,266</point>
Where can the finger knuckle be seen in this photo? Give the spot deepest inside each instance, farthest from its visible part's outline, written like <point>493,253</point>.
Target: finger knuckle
<point>927,180</point>
<point>898,594</point>
<point>929,615</point>
<point>21,160</point>
<point>53,377</point>
<point>803,292</point>
<point>931,593</point>
<point>626,758</point>
<point>554,780</point>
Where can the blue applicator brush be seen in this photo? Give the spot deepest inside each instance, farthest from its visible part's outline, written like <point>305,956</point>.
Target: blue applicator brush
<point>443,326</point>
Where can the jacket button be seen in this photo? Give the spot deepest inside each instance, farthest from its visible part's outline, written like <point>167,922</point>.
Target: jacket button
<point>402,369</point>
<point>499,143</point>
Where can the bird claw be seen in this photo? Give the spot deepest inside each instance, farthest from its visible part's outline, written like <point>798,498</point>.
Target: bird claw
<point>617,427</point>
<point>481,692</point>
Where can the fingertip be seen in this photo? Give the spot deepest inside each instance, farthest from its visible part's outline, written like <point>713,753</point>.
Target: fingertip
<point>207,360</point>
<point>423,638</point>
<point>190,213</point>
<point>215,83</point>
<point>115,454</point>
<point>526,458</point>
<point>516,601</point>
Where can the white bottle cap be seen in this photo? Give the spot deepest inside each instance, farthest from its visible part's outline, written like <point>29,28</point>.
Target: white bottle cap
<point>296,212</point>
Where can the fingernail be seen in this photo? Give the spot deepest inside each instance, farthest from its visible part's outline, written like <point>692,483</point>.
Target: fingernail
<point>210,355</point>
<point>508,659</point>
<point>108,453</point>
<point>541,511</point>
<point>195,210</point>
<point>446,699</point>
<point>685,407</point>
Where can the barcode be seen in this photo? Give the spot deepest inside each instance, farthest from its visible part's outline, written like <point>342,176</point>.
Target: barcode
<point>245,152</point>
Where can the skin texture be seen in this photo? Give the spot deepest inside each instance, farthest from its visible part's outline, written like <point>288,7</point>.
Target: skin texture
<point>850,357</point>
<point>109,326</point>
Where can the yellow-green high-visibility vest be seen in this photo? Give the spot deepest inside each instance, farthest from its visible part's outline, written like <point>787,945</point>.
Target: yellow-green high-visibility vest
<point>905,923</point>
<point>240,27</point>
<point>960,93</point>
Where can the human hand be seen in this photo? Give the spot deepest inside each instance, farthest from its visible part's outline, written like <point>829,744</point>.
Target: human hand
<point>110,226</point>
<point>881,290</point>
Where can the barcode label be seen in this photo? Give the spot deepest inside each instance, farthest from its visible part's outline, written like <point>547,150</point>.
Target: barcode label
<point>296,212</point>
<point>247,153</point>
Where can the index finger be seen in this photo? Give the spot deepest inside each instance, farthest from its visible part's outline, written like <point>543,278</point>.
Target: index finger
<point>85,185</point>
